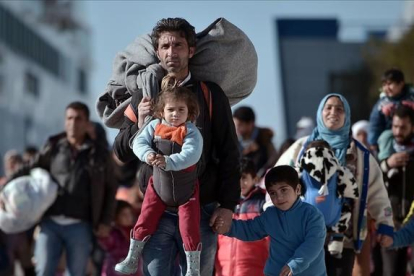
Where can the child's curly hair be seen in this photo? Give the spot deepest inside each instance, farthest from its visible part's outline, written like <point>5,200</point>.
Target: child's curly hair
<point>171,91</point>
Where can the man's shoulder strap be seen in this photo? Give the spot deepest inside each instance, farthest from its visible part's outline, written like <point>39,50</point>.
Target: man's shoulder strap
<point>207,97</point>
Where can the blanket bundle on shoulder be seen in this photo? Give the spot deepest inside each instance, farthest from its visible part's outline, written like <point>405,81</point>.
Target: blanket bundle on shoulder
<point>224,55</point>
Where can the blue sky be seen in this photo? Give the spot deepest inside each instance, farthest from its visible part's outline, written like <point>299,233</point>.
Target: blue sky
<point>114,24</point>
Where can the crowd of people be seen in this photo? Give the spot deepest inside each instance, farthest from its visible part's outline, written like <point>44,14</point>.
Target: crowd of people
<point>192,188</point>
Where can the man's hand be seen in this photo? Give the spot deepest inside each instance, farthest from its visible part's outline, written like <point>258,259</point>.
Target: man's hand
<point>286,271</point>
<point>384,240</point>
<point>398,159</point>
<point>103,231</point>
<point>144,109</point>
<point>223,217</point>
<point>159,161</point>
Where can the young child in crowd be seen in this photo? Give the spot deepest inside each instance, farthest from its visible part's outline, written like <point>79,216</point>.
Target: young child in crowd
<point>117,243</point>
<point>235,257</point>
<point>327,184</point>
<point>394,92</point>
<point>296,229</point>
<point>172,144</point>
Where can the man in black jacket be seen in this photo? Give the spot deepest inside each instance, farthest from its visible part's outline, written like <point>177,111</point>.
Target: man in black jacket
<point>85,204</point>
<point>218,170</point>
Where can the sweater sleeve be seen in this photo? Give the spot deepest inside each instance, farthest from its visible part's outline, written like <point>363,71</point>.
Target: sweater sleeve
<point>377,124</point>
<point>142,142</point>
<point>313,243</point>
<point>248,230</point>
<point>404,236</point>
<point>190,151</point>
<point>378,203</point>
<point>226,149</point>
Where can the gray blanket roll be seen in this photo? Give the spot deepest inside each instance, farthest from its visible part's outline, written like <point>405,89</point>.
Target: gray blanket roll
<point>224,55</point>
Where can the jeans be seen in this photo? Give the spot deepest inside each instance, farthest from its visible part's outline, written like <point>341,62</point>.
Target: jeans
<point>165,244</point>
<point>75,239</point>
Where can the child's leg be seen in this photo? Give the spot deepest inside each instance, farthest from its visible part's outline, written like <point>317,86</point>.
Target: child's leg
<point>189,221</point>
<point>151,211</point>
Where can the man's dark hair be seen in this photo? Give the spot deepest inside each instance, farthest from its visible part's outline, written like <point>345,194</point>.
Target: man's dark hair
<point>179,25</point>
<point>279,174</point>
<point>404,111</point>
<point>393,75</point>
<point>247,166</point>
<point>244,114</point>
<point>79,106</point>
<point>318,144</point>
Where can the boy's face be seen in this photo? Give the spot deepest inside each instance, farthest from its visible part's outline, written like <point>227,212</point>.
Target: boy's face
<point>283,195</point>
<point>392,88</point>
<point>247,183</point>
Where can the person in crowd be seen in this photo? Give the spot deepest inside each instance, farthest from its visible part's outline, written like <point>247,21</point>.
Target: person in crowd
<point>396,152</point>
<point>29,154</point>
<point>239,258</point>
<point>86,199</point>
<point>254,142</point>
<point>12,161</point>
<point>360,132</point>
<point>394,92</point>
<point>172,145</point>
<point>116,244</point>
<point>16,246</point>
<point>174,41</point>
<point>329,186</point>
<point>304,127</point>
<point>296,229</point>
<point>333,125</point>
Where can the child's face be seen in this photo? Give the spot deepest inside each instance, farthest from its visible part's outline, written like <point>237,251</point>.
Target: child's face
<point>175,112</point>
<point>247,182</point>
<point>125,218</point>
<point>283,195</point>
<point>392,88</point>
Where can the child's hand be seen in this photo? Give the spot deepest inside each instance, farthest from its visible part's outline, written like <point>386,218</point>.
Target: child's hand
<point>285,271</point>
<point>150,158</point>
<point>159,161</point>
<point>384,240</point>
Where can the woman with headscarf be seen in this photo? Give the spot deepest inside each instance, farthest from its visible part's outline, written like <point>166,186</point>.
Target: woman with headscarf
<point>333,124</point>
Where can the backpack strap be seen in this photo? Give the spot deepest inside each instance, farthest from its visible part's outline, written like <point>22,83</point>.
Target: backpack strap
<point>207,97</point>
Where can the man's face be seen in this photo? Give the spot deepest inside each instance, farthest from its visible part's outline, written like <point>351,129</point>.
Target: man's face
<point>392,88</point>
<point>174,53</point>
<point>243,129</point>
<point>76,124</point>
<point>402,129</point>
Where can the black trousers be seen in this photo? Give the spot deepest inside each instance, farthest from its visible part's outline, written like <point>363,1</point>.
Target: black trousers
<point>342,266</point>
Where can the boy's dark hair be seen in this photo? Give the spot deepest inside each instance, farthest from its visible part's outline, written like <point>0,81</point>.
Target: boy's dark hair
<point>247,166</point>
<point>79,106</point>
<point>318,144</point>
<point>179,25</point>
<point>245,114</point>
<point>393,75</point>
<point>121,205</point>
<point>171,91</point>
<point>404,111</point>
<point>280,174</point>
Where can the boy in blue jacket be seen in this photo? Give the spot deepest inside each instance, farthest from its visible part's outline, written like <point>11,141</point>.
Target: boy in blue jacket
<point>296,229</point>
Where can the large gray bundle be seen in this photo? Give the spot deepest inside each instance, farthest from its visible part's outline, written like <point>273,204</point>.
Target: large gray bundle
<point>224,55</point>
